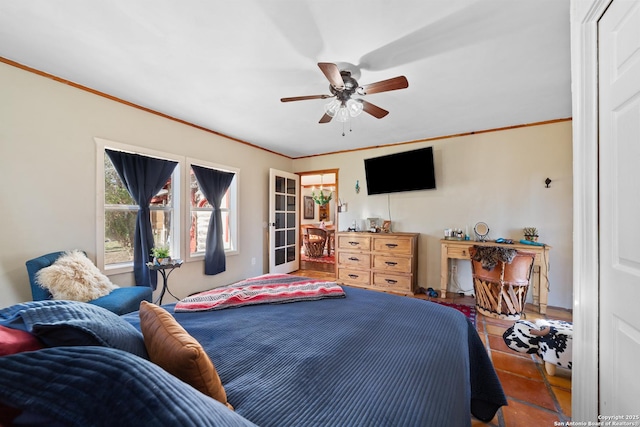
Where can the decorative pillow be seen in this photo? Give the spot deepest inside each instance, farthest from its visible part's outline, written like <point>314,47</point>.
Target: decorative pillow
<point>74,277</point>
<point>16,341</point>
<point>171,347</point>
<point>100,386</point>
<point>72,323</point>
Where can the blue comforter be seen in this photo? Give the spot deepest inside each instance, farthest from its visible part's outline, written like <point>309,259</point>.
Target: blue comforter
<point>371,359</point>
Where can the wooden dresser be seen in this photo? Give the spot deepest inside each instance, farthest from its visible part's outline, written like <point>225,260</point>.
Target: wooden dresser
<point>379,261</point>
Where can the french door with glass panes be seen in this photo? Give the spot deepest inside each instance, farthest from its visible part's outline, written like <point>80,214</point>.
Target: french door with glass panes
<point>283,222</point>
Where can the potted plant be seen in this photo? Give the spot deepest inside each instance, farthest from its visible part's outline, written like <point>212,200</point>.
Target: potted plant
<point>161,255</point>
<point>530,233</point>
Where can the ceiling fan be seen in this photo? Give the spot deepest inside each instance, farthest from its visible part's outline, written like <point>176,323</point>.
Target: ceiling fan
<point>343,87</point>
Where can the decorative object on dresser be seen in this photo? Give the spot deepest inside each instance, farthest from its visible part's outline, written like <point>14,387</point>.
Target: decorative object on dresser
<point>374,225</point>
<point>530,233</point>
<point>482,231</point>
<point>384,261</point>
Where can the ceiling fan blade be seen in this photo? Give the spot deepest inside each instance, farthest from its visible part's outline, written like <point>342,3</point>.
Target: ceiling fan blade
<point>332,73</point>
<point>304,98</point>
<point>395,83</point>
<point>325,119</point>
<point>374,110</point>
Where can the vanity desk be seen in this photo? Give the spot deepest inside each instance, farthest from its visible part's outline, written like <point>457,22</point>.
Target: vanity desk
<point>459,249</point>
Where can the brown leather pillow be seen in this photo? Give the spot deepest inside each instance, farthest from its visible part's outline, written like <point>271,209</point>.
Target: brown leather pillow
<point>172,348</point>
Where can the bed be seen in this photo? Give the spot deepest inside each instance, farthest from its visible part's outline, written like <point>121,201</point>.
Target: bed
<point>368,359</point>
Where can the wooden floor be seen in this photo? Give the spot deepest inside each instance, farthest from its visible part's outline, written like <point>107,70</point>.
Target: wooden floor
<point>535,398</point>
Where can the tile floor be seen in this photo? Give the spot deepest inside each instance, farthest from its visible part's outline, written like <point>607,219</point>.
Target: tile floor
<point>535,398</point>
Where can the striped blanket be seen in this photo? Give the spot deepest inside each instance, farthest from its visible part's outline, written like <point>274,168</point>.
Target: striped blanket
<point>265,289</point>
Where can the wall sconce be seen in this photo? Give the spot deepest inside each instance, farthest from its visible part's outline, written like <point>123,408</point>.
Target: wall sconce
<point>547,182</point>
<point>357,186</point>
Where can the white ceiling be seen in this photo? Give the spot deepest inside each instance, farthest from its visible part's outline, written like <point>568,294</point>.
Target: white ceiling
<point>225,64</point>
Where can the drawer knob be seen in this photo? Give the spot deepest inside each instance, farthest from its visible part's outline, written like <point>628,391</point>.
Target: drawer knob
<point>352,258</point>
<point>391,245</point>
<point>354,243</point>
<point>464,252</point>
<point>353,276</point>
<point>391,263</point>
<point>391,281</point>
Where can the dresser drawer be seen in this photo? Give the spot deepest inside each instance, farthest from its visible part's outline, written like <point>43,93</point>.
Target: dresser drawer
<point>354,260</point>
<point>400,245</point>
<point>392,263</point>
<point>458,251</point>
<point>354,276</point>
<point>362,243</point>
<point>392,282</point>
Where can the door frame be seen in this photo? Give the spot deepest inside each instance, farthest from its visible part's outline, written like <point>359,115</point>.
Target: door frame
<point>324,172</point>
<point>584,77</point>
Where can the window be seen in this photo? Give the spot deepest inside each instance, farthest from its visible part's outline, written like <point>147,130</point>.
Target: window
<point>200,211</point>
<point>120,212</point>
<point>117,211</point>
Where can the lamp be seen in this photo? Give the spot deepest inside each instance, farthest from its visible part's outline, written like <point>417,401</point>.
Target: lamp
<point>355,107</point>
<point>344,110</point>
<point>332,107</point>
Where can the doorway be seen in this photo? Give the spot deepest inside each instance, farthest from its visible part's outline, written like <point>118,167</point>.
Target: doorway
<point>319,210</point>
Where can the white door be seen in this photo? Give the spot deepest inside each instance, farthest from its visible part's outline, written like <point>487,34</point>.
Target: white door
<point>619,152</point>
<point>283,222</point>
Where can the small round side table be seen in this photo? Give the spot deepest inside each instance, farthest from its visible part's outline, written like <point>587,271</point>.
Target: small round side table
<point>165,270</point>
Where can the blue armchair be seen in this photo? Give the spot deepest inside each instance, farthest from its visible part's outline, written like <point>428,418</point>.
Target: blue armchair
<point>119,301</point>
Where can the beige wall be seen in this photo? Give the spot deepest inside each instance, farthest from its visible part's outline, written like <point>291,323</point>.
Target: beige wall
<point>495,177</point>
<point>47,167</point>
<point>48,175</point>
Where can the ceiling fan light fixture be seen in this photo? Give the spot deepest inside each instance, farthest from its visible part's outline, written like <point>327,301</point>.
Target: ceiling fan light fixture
<point>343,114</point>
<point>342,86</point>
<point>355,107</point>
<point>331,108</point>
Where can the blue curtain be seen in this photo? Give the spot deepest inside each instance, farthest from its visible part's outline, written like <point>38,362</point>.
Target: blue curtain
<point>214,184</point>
<point>143,177</point>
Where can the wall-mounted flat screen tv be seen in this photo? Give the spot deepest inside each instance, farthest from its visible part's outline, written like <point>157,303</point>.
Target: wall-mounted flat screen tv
<point>406,171</point>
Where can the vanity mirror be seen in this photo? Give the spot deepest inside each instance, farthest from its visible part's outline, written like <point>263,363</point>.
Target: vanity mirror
<point>482,231</point>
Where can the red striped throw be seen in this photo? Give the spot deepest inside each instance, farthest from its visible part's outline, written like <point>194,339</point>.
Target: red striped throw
<point>265,289</point>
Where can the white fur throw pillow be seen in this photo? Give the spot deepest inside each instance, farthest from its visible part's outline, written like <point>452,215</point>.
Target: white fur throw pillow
<point>74,277</point>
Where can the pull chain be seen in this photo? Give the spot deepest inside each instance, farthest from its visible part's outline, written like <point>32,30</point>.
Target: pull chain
<point>350,129</point>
